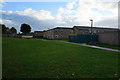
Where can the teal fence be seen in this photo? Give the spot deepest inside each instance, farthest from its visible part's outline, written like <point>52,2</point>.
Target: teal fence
<point>83,38</point>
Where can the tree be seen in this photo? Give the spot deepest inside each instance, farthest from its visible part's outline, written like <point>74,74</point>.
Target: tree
<point>7,30</point>
<point>25,28</point>
<point>0,28</point>
<point>13,30</point>
<point>4,28</point>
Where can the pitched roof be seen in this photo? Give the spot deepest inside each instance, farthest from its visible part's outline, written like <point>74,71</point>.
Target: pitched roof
<point>62,28</point>
<point>79,27</point>
<point>38,31</point>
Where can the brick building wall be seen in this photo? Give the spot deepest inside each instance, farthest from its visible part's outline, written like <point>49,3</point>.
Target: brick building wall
<point>87,30</point>
<point>112,38</point>
<point>58,33</point>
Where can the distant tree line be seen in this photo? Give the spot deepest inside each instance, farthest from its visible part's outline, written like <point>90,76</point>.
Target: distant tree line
<point>7,30</point>
<point>25,28</point>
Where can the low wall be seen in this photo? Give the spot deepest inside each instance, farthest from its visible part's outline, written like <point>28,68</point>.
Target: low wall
<point>9,35</point>
<point>27,37</point>
<point>112,38</point>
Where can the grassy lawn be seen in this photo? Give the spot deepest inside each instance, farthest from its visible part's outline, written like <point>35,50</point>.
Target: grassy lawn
<point>106,45</point>
<point>60,40</point>
<point>30,58</point>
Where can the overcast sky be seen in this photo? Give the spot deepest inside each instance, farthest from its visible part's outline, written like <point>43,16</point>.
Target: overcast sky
<point>47,15</point>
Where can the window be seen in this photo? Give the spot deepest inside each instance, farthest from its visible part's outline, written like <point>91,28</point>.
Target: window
<point>81,31</point>
<point>56,36</point>
<point>85,30</point>
<point>98,31</point>
<point>61,30</point>
<point>56,30</point>
<point>102,30</point>
<point>94,31</point>
<point>71,30</point>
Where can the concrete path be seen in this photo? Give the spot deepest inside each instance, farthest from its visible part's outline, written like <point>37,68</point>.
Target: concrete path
<point>109,49</point>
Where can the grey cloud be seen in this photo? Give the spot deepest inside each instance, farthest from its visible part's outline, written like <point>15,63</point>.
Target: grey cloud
<point>33,22</point>
<point>110,22</point>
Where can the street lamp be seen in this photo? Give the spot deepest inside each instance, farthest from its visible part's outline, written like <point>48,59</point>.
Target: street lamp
<point>91,25</point>
<point>91,30</point>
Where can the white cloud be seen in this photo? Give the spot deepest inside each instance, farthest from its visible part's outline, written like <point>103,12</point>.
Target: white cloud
<point>74,13</point>
<point>6,21</point>
<point>28,16</point>
<point>2,4</point>
<point>109,22</point>
<point>6,12</point>
<point>9,23</point>
<point>81,11</point>
<point>41,14</point>
<point>70,5</point>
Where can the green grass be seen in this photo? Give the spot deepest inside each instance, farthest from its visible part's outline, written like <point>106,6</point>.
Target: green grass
<point>30,58</point>
<point>106,45</point>
<point>60,40</point>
